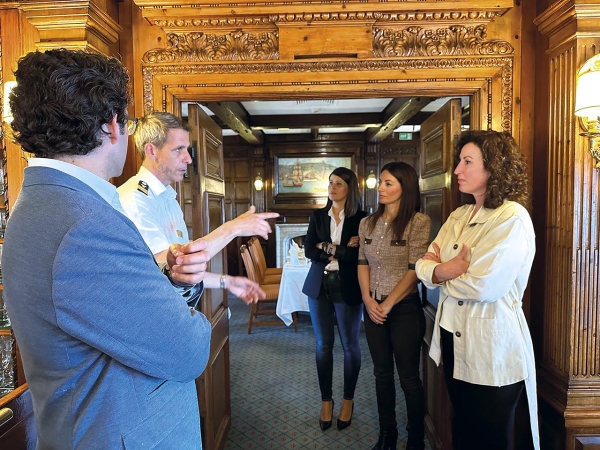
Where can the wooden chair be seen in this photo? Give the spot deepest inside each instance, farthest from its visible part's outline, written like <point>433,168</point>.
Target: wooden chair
<point>268,275</point>
<point>265,306</point>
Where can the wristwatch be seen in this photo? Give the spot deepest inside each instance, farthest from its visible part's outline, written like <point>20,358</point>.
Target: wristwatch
<point>222,281</point>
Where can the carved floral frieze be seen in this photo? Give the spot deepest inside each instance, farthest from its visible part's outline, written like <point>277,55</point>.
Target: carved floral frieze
<point>233,46</point>
<point>455,40</point>
<point>240,45</point>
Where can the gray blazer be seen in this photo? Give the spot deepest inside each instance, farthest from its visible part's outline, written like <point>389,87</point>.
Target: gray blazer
<point>110,350</point>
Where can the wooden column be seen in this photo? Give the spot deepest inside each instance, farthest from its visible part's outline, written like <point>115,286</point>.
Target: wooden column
<point>568,360</point>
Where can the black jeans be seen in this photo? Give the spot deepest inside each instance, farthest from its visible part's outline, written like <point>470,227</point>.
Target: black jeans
<point>324,312</point>
<point>484,416</point>
<point>399,338</point>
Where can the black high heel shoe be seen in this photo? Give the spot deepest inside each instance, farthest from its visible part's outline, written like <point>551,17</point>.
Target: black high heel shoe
<point>387,440</point>
<point>341,424</point>
<point>325,424</point>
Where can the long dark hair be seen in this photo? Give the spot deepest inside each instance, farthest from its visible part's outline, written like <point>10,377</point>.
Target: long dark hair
<point>353,199</point>
<point>410,201</point>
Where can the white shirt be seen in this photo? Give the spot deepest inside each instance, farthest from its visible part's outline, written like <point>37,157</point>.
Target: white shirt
<point>336,235</point>
<point>483,307</point>
<point>154,210</point>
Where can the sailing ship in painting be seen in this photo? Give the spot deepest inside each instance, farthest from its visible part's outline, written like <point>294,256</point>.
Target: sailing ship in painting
<point>295,178</point>
<point>307,175</point>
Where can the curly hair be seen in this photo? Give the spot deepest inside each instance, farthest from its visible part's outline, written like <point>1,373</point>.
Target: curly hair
<point>353,199</point>
<point>154,129</point>
<point>62,99</point>
<point>503,159</point>
<point>410,201</point>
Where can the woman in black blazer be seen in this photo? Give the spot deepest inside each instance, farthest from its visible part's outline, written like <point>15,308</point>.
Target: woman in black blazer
<point>333,291</point>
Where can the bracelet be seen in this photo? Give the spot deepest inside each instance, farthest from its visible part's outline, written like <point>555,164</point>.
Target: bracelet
<point>222,281</point>
<point>324,246</point>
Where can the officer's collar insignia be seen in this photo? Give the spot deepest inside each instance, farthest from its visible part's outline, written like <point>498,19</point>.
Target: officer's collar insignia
<point>143,187</point>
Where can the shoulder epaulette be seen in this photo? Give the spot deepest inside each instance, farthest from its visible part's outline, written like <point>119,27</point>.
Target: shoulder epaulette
<point>143,187</point>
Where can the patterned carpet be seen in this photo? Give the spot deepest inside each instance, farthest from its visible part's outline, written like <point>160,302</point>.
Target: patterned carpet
<point>275,398</point>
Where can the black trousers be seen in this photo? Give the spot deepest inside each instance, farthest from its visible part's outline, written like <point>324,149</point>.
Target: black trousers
<point>484,416</point>
<point>399,338</point>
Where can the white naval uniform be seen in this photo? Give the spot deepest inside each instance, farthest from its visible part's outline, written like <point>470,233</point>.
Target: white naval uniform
<point>483,307</point>
<point>154,209</point>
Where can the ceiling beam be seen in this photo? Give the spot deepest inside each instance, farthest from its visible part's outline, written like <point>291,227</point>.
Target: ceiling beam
<point>400,116</point>
<point>235,117</point>
<point>315,120</point>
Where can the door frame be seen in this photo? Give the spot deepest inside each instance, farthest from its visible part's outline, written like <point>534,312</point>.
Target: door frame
<point>489,81</point>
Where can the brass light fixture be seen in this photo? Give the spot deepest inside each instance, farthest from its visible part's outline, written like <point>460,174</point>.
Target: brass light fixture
<point>371,181</point>
<point>587,104</point>
<point>258,183</point>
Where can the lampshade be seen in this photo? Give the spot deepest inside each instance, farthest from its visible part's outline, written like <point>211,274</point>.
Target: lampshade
<point>587,96</point>
<point>371,181</point>
<point>258,183</point>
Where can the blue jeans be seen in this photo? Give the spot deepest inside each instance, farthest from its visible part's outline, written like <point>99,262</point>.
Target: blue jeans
<point>399,338</point>
<point>324,311</point>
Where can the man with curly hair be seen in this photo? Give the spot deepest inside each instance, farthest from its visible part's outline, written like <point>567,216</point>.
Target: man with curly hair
<point>109,345</point>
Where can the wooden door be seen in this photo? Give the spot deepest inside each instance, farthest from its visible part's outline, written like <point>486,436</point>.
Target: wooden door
<point>440,197</point>
<point>205,210</point>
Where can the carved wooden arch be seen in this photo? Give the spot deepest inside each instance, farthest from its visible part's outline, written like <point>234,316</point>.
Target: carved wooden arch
<point>407,61</point>
<point>488,80</point>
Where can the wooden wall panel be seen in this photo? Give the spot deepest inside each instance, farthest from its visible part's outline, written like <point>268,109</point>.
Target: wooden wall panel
<point>569,366</point>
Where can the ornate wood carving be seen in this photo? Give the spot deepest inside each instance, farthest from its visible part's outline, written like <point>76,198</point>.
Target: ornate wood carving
<point>569,366</point>
<point>505,63</point>
<point>404,10</point>
<point>456,40</point>
<point>399,151</point>
<point>237,22</point>
<point>79,24</point>
<point>240,45</point>
<point>233,46</point>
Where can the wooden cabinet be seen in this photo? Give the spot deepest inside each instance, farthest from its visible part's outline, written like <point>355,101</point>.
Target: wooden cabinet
<point>18,433</point>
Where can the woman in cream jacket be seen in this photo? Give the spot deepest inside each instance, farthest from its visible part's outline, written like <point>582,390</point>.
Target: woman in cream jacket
<point>481,260</point>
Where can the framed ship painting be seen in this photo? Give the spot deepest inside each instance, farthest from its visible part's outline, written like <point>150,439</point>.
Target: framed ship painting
<point>306,176</point>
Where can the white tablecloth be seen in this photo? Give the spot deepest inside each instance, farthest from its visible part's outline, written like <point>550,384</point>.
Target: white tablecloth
<point>291,298</point>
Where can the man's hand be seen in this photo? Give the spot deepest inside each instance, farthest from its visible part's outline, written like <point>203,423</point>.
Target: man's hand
<point>251,223</point>
<point>242,287</point>
<point>188,262</point>
<point>247,224</point>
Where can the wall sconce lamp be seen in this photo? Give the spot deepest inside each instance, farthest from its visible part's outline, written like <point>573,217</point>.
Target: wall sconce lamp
<point>587,104</point>
<point>6,112</point>
<point>371,181</point>
<point>258,183</point>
